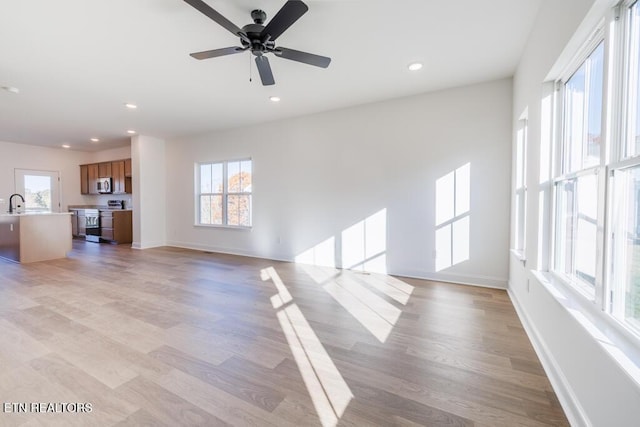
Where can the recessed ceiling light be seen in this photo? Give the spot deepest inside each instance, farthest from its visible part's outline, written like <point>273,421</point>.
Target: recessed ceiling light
<point>274,98</point>
<point>415,66</point>
<point>94,140</point>
<point>11,89</point>
<point>131,132</point>
<point>66,146</point>
<point>131,106</point>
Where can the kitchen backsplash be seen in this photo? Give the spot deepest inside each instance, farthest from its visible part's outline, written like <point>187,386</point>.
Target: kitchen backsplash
<point>102,199</point>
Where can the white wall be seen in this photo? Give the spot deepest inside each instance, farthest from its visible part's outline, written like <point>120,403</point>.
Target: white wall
<point>316,176</point>
<point>593,387</point>
<point>149,169</point>
<point>19,156</point>
<point>111,154</point>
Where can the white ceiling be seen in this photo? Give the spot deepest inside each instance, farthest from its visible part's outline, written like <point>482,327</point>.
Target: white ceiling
<point>76,62</point>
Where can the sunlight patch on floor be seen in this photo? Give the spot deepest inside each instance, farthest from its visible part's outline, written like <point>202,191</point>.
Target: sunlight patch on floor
<point>327,388</point>
<point>374,313</point>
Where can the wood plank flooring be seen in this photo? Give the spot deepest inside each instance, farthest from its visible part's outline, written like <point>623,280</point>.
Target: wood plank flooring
<point>176,337</point>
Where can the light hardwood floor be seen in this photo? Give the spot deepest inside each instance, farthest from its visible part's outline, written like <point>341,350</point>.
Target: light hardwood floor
<point>176,337</point>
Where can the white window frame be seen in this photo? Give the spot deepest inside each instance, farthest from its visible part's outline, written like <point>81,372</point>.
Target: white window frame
<point>595,293</point>
<point>224,194</point>
<point>612,304</point>
<point>520,196</point>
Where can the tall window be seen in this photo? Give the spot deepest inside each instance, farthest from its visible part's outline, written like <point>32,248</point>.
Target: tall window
<point>521,186</point>
<point>576,187</point>
<point>596,237</point>
<point>625,187</point>
<point>224,193</point>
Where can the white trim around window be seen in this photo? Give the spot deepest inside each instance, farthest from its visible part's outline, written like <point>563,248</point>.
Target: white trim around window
<point>223,194</point>
<point>520,196</point>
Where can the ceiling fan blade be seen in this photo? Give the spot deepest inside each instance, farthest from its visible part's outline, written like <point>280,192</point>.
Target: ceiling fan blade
<point>304,57</point>
<point>286,16</point>
<point>214,15</point>
<point>265,70</point>
<point>217,52</point>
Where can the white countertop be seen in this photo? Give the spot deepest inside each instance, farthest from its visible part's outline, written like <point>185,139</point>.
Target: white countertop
<point>35,213</point>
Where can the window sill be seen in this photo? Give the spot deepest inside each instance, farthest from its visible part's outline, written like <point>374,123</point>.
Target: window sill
<point>576,287</point>
<point>225,227</point>
<point>614,338</point>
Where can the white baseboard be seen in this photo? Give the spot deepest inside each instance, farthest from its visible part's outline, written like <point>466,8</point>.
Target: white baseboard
<point>220,250</point>
<point>462,279</point>
<point>147,245</point>
<point>568,400</point>
<point>472,280</point>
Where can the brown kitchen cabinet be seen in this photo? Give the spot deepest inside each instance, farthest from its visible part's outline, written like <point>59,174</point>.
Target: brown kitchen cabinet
<point>117,171</point>
<point>128,185</point>
<point>116,226</point>
<point>92,173</point>
<point>104,170</point>
<point>84,179</point>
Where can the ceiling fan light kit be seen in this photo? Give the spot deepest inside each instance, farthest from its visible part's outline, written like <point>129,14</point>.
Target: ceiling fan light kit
<point>259,39</point>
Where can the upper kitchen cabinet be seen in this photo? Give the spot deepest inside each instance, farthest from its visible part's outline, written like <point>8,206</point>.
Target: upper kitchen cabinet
<point>118,170</point>
<point>127,176</point>
<point>84,179</point>
<point>104,170</point>
<point>92,179</point>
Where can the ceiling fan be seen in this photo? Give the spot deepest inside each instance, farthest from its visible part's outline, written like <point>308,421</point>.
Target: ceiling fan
<point>261,39</point>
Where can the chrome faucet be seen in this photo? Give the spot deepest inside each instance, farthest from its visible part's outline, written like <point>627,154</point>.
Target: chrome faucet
<point>11,201</point>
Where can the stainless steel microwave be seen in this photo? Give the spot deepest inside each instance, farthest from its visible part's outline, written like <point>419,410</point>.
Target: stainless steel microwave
<point>105,185</point>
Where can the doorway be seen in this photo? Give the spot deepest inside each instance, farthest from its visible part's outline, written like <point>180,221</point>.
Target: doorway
<point>41,190</point>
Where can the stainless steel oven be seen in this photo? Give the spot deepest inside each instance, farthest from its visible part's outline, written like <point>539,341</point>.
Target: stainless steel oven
<point>92,224</point>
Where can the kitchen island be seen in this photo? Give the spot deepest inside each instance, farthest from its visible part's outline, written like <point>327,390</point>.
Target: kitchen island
<point>32,237</point>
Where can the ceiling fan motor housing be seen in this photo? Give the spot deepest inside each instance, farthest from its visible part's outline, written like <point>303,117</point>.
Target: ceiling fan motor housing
<point>253,32</point>
<point>258,16</point>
